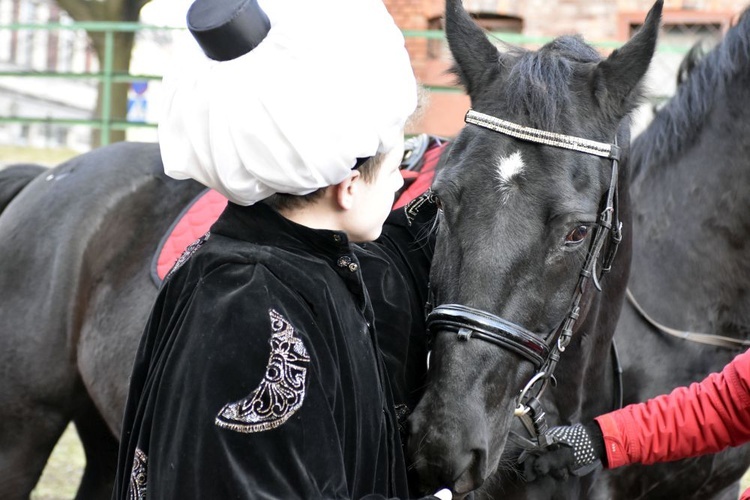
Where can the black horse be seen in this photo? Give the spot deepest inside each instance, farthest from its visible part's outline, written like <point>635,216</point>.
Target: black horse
<point>690,269</point>
<point>75,292</point>
<point>529,226</point>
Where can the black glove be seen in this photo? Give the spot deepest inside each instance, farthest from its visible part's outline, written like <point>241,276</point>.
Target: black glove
<point>576,449</point>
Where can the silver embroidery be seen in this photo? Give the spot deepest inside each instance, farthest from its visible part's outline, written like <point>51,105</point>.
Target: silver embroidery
<point>282,390</point>
<point>138,477</point>
<point>187,253</point>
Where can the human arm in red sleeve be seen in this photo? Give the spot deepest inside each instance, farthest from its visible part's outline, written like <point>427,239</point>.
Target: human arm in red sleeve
<point>705,417</point>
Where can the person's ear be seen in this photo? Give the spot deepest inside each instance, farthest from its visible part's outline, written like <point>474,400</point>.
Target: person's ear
<point>346,190</point>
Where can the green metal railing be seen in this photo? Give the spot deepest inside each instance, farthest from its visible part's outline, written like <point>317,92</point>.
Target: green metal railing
<point>107,76</point>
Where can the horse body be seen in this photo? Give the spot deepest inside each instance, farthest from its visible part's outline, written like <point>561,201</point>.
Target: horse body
<point>74,302</point>
<point>690,269</point>
<point>519,220</point>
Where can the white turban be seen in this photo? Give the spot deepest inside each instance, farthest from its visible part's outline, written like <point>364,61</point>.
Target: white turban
<point>330,83</point>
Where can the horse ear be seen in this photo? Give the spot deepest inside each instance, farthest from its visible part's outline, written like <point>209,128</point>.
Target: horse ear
<point>616,79</point>
<point>471,49</point>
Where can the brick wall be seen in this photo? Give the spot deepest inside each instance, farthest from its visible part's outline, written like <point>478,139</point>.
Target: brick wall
<point>597,20</point>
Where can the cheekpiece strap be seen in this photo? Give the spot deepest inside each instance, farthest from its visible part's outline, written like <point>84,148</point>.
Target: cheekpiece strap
<point>601,149</point>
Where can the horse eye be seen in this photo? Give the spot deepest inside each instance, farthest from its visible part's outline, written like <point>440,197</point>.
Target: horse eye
<point>577,235</point>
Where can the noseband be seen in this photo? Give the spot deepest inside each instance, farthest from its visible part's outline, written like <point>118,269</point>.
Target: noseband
<point>543,350</point>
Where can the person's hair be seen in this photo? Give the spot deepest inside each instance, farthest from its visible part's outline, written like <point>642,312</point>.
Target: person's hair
<point>283,201</point>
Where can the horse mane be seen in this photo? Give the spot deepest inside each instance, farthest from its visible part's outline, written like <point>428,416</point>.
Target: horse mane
<point>538,81</point>
<point>677,124</point>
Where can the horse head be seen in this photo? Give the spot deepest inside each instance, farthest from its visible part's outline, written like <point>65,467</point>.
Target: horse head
<point>521,241</point>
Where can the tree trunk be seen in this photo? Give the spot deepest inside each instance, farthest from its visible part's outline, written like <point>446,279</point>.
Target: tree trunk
<point>123,46</point>
<point>109,10</point>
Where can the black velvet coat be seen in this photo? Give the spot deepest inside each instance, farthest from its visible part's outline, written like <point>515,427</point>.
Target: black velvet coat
<point>260,373</point>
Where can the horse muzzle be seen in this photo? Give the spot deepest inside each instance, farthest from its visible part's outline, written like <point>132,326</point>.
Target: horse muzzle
<point>446,451</point>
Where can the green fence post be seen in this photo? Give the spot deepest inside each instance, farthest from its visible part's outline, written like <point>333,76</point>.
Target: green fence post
<point>109,47</point>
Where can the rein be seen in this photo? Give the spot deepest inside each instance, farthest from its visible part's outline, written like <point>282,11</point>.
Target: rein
<point>700,338</point>
<point>543,351</point>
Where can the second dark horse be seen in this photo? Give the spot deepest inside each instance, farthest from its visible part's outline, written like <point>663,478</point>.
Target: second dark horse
<point>690,271</point>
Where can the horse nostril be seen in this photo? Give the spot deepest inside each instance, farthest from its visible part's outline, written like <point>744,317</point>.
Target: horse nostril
<point>473,475</point>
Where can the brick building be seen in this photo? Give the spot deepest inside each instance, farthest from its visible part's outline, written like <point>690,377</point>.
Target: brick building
<point>534,21</point>
<point>530,22</point>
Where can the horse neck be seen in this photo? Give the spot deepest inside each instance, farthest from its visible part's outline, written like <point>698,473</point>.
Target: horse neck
<point>692,221</point>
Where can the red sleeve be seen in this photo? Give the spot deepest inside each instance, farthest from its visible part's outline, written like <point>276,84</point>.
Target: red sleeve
<point>705,417</point>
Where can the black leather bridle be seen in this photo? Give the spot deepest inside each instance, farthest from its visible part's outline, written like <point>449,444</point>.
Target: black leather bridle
<point>543,350</point>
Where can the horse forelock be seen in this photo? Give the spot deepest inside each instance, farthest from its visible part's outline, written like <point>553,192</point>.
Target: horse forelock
<point>676,125</point>
<point>538,82</point>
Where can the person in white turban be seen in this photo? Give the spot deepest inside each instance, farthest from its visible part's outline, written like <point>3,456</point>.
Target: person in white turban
<point>280,358</point>
<point>330,83</point>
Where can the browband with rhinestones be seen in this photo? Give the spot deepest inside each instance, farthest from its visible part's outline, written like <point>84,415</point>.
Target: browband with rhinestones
<point>543,137</point>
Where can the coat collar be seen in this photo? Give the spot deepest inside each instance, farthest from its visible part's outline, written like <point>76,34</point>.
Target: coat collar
<point>260,224</point>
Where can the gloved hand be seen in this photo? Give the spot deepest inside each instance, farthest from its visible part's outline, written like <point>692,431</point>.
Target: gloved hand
<point>576,449</point>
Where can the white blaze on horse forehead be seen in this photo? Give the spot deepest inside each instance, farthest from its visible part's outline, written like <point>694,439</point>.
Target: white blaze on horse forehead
<point>509,167</point>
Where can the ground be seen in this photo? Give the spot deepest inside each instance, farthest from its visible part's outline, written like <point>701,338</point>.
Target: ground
<point>64,469</point>
<point>46,157</point>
